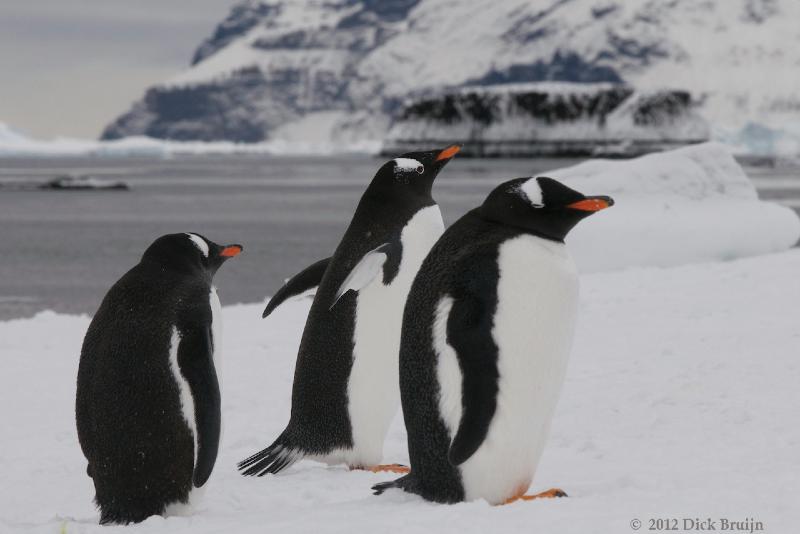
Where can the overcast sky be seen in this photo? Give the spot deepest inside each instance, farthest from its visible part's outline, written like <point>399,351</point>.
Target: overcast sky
<point>68,67</point>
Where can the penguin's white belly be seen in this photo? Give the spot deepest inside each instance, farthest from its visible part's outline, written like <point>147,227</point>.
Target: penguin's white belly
<point>533,329</point>
<point>373,388</point>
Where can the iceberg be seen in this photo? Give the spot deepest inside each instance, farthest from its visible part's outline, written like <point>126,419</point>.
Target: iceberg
<point>690,205</point>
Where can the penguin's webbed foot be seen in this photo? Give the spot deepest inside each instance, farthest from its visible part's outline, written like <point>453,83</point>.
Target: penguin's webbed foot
<point>549,494</point>
<point>386,468</point>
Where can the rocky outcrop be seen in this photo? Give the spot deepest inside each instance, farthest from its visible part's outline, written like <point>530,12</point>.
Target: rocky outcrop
<point>547,119</point>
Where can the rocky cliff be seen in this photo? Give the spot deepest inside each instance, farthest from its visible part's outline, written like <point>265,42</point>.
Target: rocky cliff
<point>548,118</point>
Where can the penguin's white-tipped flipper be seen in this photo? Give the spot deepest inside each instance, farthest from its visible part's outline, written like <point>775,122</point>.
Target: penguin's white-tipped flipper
<point>364,272</point>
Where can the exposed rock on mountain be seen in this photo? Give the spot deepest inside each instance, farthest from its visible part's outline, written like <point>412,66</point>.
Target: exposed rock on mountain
<point>539,119</point>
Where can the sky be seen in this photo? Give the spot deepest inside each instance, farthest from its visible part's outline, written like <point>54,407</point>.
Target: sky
<point>69,67</point>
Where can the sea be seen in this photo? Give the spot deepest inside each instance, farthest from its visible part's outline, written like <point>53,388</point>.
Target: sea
<point>62,250</point>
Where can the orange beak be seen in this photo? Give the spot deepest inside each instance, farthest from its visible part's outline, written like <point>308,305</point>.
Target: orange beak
<point>592,204</point>
<point>448,152</point>
<point>231,250</point>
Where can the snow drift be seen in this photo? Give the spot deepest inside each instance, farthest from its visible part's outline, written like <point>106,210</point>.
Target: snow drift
<point>688,205</point>
<point>679,401</point>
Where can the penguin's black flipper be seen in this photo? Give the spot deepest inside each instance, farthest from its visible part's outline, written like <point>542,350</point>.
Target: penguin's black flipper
<point>469,328</point>
<point>301,282</point>
<point>195,360</point>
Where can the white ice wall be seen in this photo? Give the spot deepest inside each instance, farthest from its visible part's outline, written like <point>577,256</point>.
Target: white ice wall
<point>689,205</point>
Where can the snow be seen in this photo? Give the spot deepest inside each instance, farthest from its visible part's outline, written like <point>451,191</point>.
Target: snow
<point>313,133</point>
<point>680,401</point>
<point>10,136</point>
<point>14,144</point>
<point>308,15</point>
<point>689,205</point>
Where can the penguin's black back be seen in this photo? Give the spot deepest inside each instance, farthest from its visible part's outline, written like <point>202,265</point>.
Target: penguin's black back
<point>319,421</point>
<point>130,424</point>
<point>469,246</point>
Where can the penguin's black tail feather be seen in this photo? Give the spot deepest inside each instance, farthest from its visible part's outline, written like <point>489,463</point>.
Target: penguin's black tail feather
<point>400,483</point>
<point>271,460</point>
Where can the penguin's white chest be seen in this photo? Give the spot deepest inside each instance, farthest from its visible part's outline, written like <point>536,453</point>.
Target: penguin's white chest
<point>533,328</point>
<point>373,388</point>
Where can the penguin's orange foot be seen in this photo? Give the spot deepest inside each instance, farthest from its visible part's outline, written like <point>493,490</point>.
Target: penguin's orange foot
<point>549,494</point>
<point>386,468</point>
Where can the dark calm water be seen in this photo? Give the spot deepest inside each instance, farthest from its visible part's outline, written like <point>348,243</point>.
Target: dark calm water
<point>63,250</point>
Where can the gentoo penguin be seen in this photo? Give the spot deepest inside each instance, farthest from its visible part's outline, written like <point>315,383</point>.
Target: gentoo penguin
<point>148,399</point>
<point>486,333</point>
<point>345,390</point>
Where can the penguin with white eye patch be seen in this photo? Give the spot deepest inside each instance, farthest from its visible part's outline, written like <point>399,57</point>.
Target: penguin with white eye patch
<point>148,398</point>
<point>345,390</point>
<point>486,335</point>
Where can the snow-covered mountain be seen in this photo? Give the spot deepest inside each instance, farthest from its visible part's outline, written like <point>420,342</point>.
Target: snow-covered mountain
<point>322,69</point>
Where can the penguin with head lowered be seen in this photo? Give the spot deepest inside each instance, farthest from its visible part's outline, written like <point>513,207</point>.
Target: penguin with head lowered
<point>148,397</point>
<point>487,331</point>
<point>345,390</point>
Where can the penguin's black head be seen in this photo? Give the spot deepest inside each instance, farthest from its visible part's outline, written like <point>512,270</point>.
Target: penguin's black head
<point>412,173</point>
<point>541,206</point>
<point>189,253</point>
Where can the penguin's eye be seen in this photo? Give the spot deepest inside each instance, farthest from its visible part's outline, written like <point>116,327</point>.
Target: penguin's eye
<point>420,169</point>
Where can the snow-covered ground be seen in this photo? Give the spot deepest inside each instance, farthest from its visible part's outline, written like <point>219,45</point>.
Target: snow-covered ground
<point>681,400</point>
